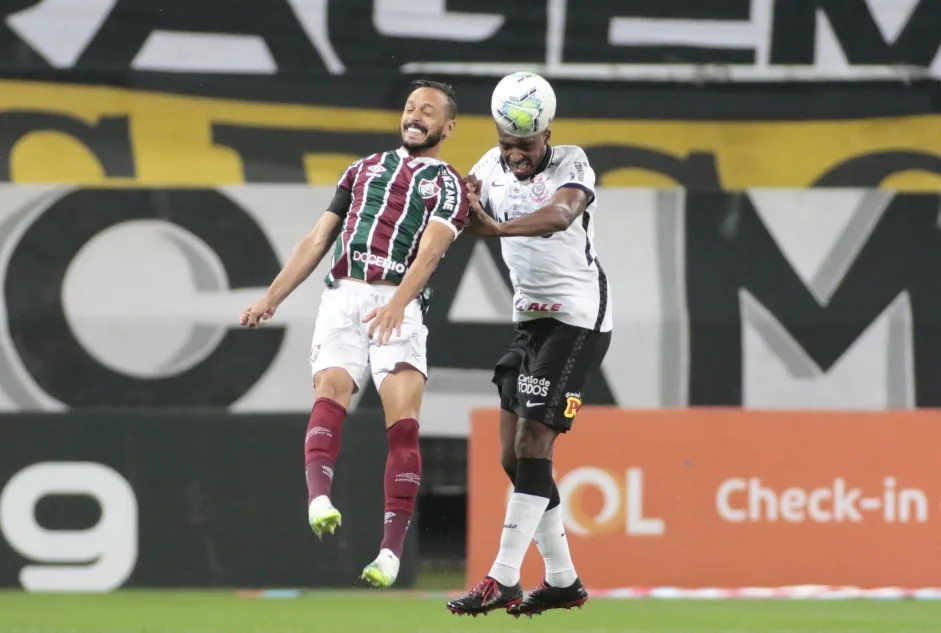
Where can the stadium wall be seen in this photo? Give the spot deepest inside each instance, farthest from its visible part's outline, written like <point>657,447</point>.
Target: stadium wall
<point>98,501</point>
<point>192,133</point>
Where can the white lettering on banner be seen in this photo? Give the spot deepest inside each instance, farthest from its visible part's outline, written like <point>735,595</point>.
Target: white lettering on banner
<point>398,19</point>
<point>532,386</point>
<point>123,277</point>
<point>826,39</point>
<point>740,500</point>
<point>834,50</point>
<point>379,260</point>
<point>100,558</point>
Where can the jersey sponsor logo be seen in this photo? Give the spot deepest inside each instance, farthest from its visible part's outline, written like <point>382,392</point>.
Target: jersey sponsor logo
<point>573,402</point>
<point>525,304</point>
<point>428,188</point>
<point>532,386</point>
<point>579,174</point>
<point>379,260</point>
<point>516,193</point>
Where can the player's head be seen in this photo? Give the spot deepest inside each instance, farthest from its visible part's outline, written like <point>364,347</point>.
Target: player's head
<point>429,116</point>
<point>523,106</point>
<point>523,154</point>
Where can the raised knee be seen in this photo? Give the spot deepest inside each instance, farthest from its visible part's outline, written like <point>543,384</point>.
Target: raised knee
<point>334,384</point>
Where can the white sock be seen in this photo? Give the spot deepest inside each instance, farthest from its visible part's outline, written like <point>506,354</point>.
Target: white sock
<point>554,547</point>
<point>522,516</point>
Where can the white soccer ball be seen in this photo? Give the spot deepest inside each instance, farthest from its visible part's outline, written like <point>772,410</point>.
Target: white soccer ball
<point>523,104</point>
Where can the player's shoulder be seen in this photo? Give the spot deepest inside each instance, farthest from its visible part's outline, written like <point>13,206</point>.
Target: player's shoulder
<point>367,160</point>
<point>568,154</point>
<point>448,170</point>
<point>487,162</point>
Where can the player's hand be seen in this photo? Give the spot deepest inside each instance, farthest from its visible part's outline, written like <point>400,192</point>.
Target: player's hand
<point>473,185</point>
<point>255,314</point>
<point>385,320</point>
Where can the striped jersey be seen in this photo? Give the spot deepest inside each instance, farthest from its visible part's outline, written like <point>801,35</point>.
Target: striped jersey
<point>394,196</point>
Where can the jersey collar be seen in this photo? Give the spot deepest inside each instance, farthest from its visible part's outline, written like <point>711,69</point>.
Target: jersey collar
<point>541,167</point>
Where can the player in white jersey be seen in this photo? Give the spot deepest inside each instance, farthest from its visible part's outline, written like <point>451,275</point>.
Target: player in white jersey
<point>540,200</point>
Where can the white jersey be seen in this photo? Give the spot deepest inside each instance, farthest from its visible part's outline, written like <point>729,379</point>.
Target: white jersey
<point>557,275</point>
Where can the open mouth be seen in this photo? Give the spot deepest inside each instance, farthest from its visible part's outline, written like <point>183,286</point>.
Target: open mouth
<point>521,168</point>
<point>413,131</point>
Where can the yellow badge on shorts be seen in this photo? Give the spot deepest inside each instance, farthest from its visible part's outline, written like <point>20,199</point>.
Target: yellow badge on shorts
<point>572,405</point>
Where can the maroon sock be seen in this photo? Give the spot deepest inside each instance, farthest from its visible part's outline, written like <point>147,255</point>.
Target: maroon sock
<point>322,445</point>
<point>403,477</point>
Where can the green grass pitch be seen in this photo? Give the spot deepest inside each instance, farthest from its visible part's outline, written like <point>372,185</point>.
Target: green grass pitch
<point>406,612</point>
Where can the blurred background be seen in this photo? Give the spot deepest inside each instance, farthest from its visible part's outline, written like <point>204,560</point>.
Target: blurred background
<point>769,217</point>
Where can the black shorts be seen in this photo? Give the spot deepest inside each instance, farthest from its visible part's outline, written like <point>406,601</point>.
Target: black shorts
<point>542,375</point>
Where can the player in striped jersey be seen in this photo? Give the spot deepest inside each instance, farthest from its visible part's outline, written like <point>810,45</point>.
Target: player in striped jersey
<point>394,215</point>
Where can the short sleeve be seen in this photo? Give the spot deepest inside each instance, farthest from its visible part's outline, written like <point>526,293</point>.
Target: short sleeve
<point>482,172</point>
<point>452,206</point>
<point>574,171</point>
<point>349,176</point>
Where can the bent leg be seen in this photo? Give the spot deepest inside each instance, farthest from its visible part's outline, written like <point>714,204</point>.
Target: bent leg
<point>338,357</point>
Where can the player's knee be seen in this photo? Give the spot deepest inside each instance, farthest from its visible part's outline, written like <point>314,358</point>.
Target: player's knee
<point>403,442</point>
<point>334,384</point>
<point>508,461</point>
<point>534,440</point>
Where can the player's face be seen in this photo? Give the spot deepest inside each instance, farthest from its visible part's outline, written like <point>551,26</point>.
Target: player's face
<point>425,120</point>
<point>523,155</point>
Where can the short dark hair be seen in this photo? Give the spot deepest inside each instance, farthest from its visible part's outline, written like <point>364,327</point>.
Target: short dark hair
<point>446,89</point>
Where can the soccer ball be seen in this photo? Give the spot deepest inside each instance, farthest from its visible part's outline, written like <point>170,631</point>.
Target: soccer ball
<point>523,104</point>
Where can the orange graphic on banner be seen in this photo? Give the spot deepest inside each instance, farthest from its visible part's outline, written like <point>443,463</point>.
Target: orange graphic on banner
<point>731,498</point>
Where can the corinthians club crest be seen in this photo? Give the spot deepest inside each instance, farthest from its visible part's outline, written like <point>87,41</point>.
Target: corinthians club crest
<point>540,189</point>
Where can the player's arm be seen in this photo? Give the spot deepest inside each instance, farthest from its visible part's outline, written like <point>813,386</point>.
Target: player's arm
<point>449,217</point>
<point>563,209</point>
<point>573,195</point>
<point>434,243</point>
<point>310,251</point>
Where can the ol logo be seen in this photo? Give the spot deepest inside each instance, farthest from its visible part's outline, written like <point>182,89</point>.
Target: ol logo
<point>598,502</point>
<point>573,402</point>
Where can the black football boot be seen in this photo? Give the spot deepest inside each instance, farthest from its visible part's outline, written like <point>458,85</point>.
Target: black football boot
<point>546,597</point>
<point>486,596</point>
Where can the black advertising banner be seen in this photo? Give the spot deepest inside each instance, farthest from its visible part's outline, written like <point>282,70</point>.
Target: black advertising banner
<point>671,59</point>
<point>315,37</point>
<point>94,502</point>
